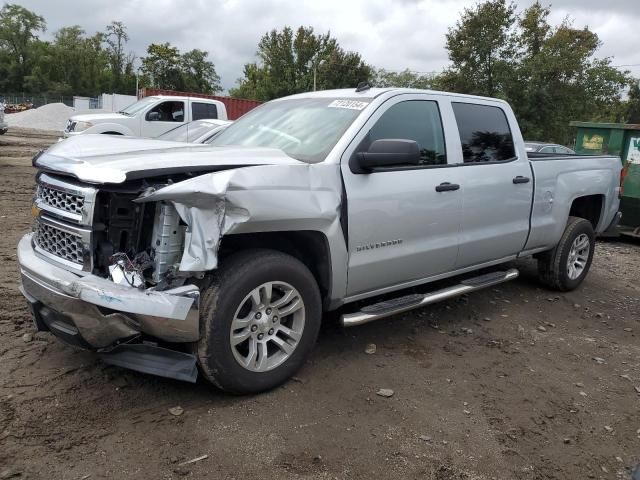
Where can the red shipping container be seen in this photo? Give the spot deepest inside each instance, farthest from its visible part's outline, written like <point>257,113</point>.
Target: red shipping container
<point>236,107</point>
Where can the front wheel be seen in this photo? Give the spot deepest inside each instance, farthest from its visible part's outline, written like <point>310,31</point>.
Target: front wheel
<point>260,318</point>
<point>566,266</point>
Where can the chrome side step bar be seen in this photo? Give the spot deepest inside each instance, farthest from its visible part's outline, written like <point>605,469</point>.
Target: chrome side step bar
<point>409,302</point>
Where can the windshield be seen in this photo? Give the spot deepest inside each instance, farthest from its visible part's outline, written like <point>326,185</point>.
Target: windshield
<point>189,132</point>
<point>305,128</point>
<point>138,106</point>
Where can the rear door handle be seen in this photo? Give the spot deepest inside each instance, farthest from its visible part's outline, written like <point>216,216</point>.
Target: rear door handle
<point>447,187</point>
<point>521,179</point>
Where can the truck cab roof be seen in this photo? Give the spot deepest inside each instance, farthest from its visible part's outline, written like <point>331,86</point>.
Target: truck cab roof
<point>183,98</point>
<point>376,92</point>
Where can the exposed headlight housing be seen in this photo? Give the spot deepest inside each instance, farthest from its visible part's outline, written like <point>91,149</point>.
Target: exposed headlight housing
<point>81,126</point>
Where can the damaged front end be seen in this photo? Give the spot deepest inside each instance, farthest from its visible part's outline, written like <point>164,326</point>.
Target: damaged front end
<point>135,244</point>
<point>118,267</point>
<point>101,272</point>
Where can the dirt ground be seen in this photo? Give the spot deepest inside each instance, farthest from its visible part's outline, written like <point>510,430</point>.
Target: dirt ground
<point>515,382</point>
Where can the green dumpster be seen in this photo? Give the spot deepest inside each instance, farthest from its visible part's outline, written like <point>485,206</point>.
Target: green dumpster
<point>616,139</point>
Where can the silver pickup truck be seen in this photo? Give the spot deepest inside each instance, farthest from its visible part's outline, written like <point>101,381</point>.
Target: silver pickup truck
<point>172,259</point>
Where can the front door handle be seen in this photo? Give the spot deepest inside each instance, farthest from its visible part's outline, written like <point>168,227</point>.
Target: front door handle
<point>447,187</point>
<point>521,179</point>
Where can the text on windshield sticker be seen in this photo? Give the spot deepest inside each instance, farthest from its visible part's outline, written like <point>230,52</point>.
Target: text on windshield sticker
<point>350,104</point>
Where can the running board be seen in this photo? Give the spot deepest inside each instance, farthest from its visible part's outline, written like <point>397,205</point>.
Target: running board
<point>409,302</point>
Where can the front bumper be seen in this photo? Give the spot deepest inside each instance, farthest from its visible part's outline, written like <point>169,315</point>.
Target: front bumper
<point>94,312</point>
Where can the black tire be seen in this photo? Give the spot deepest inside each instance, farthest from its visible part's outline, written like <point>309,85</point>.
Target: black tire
<point>553,265</point>
<point>236,277</point>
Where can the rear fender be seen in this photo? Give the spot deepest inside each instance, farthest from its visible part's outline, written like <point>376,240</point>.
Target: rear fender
<point>554,196</point>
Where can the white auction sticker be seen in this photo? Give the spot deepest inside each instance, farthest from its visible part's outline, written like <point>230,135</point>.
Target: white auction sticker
<point>350,104</point>
<point>633,153</point>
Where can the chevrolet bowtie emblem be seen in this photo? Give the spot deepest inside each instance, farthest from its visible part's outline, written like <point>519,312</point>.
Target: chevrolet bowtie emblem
<point>35,211</point>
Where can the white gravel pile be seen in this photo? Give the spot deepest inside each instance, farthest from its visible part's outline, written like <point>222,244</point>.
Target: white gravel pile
<point>52,116</point>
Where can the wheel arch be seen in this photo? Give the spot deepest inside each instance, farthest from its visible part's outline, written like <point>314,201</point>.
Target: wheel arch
<point>309,246</point>
<point>589,207</point>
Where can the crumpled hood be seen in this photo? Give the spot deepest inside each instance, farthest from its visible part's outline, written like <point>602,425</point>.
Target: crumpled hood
<point>113,159</point>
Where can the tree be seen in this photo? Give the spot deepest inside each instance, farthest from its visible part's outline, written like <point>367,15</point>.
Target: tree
<point>253,85</point>
<point>481,48</point>
<point>292,62</point>
<point>199,73</point>
<point>534,28</point>
<point>162,66</point>
<point>550,75</point>
<point>559,80</point>
<point>76,64</point>
<point>405,78</point>
<point>18,29</point>
<point>116,38</point>
<point>165,67</point>
<point>632,107</point>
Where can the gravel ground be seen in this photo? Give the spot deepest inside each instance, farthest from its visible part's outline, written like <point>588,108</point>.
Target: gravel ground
<point>515,382</point>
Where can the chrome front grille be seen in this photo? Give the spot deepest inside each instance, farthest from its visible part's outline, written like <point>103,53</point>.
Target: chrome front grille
<point>65,200</point>
<point>59,243</point>
<point>60,199</point>
<point>64,214</point>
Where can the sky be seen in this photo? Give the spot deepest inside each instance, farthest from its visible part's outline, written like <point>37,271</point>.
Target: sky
<point>392,34</point>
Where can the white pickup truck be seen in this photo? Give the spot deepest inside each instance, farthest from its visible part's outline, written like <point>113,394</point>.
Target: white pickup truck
<point>162,256</point>
<point>148,117</point>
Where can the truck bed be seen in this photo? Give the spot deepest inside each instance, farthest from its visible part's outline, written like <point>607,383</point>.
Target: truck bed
<point>536,156</point>
<point>558,181</point>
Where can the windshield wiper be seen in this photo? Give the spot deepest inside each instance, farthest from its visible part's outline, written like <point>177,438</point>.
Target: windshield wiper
<point>124,113</point>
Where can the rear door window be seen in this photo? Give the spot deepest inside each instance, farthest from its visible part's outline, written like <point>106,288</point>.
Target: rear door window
<point>201,110</point>
<point>484,133</point>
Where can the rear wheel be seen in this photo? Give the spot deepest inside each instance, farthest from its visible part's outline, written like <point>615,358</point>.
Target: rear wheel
<point>260,318</point>
<point>566,266</point>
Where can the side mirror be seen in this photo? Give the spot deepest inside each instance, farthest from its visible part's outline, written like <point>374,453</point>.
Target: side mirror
<point>388,153</point>
<point>153,116</point>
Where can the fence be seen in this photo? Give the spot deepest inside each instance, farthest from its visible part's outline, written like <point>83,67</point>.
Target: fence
<point>107,101</point>
<point>111,102</point>
<point>114,102</point>
<point>36,100</point>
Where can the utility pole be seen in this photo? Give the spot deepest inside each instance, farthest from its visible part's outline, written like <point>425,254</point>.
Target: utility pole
<point>315,73</point>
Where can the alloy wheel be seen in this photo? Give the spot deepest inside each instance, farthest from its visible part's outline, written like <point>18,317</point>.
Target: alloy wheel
<point>267,326</point>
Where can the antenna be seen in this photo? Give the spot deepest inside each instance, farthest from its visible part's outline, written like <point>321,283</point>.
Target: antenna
<point>362,86</point>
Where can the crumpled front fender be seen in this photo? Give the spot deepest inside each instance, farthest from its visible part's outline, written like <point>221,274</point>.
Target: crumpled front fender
<point>251,199</point>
